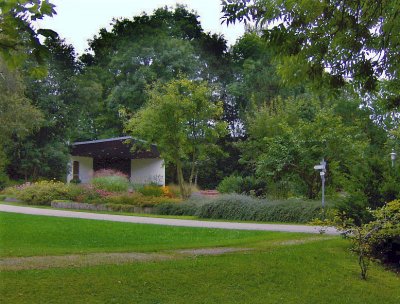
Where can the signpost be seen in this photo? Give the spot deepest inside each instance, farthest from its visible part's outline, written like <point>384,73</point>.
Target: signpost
<point>322,168</point>
<point>393,157</point>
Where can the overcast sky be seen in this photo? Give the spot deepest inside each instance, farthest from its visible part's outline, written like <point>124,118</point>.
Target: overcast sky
<point>79,20</point>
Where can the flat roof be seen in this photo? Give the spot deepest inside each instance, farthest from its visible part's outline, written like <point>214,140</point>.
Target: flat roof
<point>101,140</point>
<point>112,148</point>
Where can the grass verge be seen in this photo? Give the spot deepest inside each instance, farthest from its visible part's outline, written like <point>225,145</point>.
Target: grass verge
<point>27,235</point>
<point>179,217</point>
<point>316,272</point>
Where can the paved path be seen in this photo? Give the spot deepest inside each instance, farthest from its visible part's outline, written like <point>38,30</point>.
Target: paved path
<point>167,222</point>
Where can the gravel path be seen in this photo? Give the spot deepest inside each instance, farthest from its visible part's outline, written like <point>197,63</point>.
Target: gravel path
<point>167,222</point>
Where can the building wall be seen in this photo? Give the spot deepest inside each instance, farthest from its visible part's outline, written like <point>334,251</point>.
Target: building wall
<point>144,171</point>
<point>85,168</point>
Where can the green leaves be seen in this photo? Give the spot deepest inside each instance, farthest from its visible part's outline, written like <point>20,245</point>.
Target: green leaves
<point>285,142</point>
<point>18,37</point>
<point>181,119</point>
<point>352,40</point>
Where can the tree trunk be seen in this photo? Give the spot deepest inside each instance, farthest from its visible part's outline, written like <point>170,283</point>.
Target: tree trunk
<point>181,181</point>
<point>192,170</point>
<point>195,177</point>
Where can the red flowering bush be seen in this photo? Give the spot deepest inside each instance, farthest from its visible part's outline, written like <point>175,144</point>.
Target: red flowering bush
<point>90,194</point>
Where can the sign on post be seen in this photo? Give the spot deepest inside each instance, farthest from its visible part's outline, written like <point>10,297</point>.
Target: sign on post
<point>322,167</point>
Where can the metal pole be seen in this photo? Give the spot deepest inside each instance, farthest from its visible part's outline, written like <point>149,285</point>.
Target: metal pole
<point>322,173</point>
<point>393,157</point>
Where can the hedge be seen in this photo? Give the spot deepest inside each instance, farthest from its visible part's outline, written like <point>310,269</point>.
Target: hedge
<point>245,208</point>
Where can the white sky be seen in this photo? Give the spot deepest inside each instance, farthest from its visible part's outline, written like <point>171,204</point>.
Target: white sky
<point>79,20</point>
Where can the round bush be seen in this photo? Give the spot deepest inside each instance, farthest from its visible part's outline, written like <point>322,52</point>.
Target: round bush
<point>230,184</point>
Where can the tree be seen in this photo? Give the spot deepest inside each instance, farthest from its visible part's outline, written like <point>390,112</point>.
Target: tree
<point>19,38</point>
<point>44,153</point>
<point>148,48</point>
<point>17,115</point>
<point>288,137</point>
<point>353,40</point>
<point>181,119</point>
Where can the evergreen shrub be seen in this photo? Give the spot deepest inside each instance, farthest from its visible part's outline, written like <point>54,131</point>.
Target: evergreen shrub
<point>140,200</point>
<point>241,207</point>
<point>230,184</point>
<point>188,207</point>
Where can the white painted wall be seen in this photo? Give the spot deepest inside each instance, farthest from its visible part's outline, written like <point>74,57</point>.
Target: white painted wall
<point>85,168</point>
<point>147,170</point>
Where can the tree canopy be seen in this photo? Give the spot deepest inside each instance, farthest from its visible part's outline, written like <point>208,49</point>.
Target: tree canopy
<point>148,48</point>
<point>19,38</point>
<point>354,41</point>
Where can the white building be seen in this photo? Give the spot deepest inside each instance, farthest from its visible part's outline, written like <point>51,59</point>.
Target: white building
<point>142,166</point>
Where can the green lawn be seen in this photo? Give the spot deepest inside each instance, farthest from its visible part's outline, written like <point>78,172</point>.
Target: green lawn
<point>26,235</point>
<point>321,271</point>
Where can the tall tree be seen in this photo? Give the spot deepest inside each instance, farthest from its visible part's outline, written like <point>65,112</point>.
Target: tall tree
<point>136,53</point>
<point>45,152</point>
<point>17,115</point>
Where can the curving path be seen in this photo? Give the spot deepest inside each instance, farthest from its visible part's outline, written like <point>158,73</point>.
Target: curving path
<point>167,222</point>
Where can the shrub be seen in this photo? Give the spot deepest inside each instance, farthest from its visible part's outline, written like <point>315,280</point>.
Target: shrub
<point>137,199</point>
<point>167,192</point>
<point>114,183</point>
<point>176,191</point>
<point>151,190</point>
<point>230,184</point>
<point>241,207</point>
<point>189,207</point>
<point>89,194</point>
<point>249,185</point>
<point>355,207</point>
<point>385,241</point>
<point>43,192</point>
<point>378,239</point>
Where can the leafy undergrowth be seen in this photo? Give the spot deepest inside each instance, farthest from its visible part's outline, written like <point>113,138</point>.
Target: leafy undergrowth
<point>281,268</point>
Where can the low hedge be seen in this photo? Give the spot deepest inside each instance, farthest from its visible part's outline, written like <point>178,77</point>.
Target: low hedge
<point>188,207</point>
<point>138,199</point>
<point>245,208</point>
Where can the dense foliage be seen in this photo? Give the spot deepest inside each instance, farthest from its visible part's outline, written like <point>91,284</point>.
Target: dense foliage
<point>352,39</point>
<point>184,122</point>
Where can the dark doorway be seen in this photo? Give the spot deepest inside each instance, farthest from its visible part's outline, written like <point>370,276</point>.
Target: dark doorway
<point>123,165</point>
<point>75,170</point>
